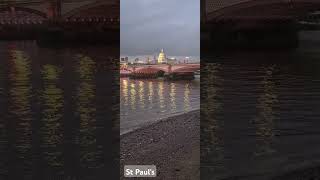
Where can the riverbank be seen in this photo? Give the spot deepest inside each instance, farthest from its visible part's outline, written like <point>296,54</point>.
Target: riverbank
<point>173,145</point>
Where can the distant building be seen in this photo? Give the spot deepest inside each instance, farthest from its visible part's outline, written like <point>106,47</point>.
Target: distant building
<point>148,60</point>
<point>171,60</point>
<point>154,61</point>
<point>138,61</point>
<point>124,60</point>
<point>162,57</point>
<point>123,63</point>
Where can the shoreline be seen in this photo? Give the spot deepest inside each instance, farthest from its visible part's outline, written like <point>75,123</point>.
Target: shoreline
<point>158,120</point>
<point>172,144</point>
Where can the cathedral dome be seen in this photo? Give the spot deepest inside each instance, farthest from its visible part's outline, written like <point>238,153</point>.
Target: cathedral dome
<point>162,57</point>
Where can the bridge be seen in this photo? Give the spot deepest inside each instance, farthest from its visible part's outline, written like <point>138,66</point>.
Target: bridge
<point>247,20</point>
<point>30,16</point>
<point>183,71</point>
<point>63,10</point>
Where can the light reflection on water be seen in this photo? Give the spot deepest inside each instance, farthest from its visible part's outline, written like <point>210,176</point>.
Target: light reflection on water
<point>257,112</point>
<point>141,94</point>
<point>20,108</point>
<point>90,152</point>
<point>160,95</point>
<point>51,125</point>
<point>150,95</point>
<point>186,97</point>
<point>265,119</point>
<point>146,101</point>
<point>212,128</point>
<point>173,97</point>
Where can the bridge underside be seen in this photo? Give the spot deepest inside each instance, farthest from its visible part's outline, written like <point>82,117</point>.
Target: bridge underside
<point>101,11</point>
<point>272,24</point>
<point>97,22</point>
<point>264,10</point>
<point>20,15</point>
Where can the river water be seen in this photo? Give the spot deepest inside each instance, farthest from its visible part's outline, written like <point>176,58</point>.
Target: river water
<point>57,115</point>
<point>260,113</point>
<point>145,102</point>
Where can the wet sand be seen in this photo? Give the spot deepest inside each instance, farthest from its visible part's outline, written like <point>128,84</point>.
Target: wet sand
<point>173,145</point>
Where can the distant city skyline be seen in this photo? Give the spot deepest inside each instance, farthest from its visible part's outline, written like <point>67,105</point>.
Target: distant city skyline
<point>156,54</point>
<point>147,26</point>
<point>155,57</point>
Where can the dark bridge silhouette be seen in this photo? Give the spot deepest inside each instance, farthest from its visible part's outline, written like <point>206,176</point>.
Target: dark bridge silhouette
<point>17,18</point>
<point>61,10</point>
<point>217,10</point>
<point>272,22</point>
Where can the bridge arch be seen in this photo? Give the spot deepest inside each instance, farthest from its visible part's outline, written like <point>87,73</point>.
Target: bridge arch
<point>263,8</point>
<point>105,8</point>
<point>25,10</point>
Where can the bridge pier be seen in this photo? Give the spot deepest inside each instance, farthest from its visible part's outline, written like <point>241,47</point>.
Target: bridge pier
<point>238,35</point>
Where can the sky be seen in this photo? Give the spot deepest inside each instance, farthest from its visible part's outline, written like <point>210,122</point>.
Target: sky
<point>149,25</point>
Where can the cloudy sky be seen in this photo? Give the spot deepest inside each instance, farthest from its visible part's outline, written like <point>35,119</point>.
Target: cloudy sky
<point>149,25</point>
